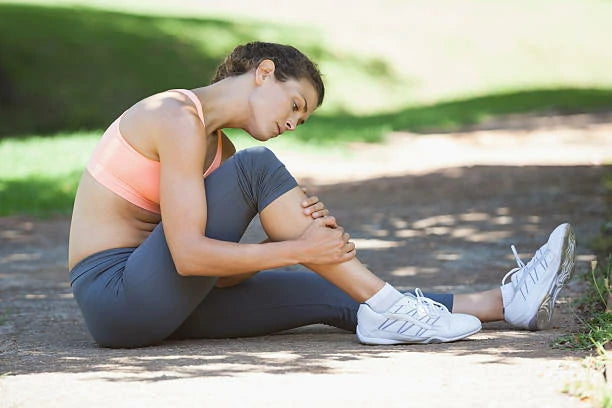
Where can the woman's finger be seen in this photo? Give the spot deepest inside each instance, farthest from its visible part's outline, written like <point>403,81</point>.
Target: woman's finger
<point>317,207</point>
<point>319,214</point>
<point>312,208</point>
<point>310,201</point>
<point>349,246</point>
<point>328,221</point>
<point>349,255</point>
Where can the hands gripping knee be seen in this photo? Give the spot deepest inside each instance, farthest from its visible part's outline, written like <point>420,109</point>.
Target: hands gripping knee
<point>325,242</point>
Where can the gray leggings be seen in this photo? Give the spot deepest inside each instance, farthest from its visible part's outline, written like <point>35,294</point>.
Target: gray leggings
<point>132,297</point>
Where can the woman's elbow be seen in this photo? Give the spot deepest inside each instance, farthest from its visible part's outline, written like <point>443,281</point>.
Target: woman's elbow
<point>185,267</point>
<point>192,259</point>
<point>180,259</point>
<point>192,266</point>
<point>182,269</point>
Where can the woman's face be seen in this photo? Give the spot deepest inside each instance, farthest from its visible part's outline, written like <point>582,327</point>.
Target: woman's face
<point>276,106</point>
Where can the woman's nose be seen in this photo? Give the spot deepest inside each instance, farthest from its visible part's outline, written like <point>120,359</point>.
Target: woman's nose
<point>289,125</point>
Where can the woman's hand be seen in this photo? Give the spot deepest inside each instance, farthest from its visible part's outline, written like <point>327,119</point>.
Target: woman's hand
<point>313,207</point>
<point>325,242</point>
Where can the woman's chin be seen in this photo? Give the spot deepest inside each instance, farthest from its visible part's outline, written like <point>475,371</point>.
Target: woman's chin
<point>257,135</point>
<point>259,138</point>
<point>262,137</point>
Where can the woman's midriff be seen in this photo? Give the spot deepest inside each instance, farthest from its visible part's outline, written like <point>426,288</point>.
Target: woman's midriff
<point>102,220</point>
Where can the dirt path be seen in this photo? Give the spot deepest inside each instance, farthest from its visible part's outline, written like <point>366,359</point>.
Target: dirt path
<point>436,212</point>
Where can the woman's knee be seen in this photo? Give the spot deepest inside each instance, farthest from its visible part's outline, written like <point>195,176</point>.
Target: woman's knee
<point>258,158</point>
<point>264,174</point>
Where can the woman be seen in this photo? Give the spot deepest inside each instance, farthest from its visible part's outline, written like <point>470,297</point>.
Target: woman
<point>153,249</point>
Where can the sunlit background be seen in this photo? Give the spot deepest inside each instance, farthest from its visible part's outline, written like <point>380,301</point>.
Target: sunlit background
<point>68,68</point>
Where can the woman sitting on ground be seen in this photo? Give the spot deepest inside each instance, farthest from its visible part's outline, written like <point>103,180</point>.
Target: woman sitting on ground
<point>154,250</point>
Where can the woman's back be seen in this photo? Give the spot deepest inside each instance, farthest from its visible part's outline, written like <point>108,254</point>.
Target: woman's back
<point>108,212</point>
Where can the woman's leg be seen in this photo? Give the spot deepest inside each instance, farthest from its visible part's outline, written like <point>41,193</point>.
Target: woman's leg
<point>269,302</point>
<point>549,269</point>
<point>272,301</point>
<point>528,293</point>
<point>386,316</point>
<point>486,306</point>
<point>352,276</point>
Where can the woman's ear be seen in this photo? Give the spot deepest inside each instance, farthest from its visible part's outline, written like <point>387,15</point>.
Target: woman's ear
<point>264,71</point>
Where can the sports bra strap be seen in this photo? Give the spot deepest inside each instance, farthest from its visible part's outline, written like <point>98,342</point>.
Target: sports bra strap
<point>194,99</point>
<point>217,160</point>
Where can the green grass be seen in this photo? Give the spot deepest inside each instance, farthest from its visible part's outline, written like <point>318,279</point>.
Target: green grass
<point>452,115</point>
<point>603,243</point>
<point>596,323</point>
<point>595,333</point>
<point>596,329</point>
<point>39,175</point>
<point>590,386</point>
<point>68,69</point>
<point>67,72</point>
<point>65,69</point>
<point>447,49</point>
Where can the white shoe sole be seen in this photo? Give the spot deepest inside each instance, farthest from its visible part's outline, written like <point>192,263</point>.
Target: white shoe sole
<point>566,267</point>
<point>381,341</point>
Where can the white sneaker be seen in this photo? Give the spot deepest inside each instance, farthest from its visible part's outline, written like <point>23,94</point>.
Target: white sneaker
<point>413,319</point>
<point>529,297</point>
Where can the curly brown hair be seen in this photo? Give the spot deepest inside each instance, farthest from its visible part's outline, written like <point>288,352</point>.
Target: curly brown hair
<point>289,63</point>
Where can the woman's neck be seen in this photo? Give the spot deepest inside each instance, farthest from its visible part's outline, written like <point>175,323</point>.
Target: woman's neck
<point>225,103</point>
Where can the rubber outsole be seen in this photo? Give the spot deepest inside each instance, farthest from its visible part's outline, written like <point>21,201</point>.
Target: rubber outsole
<point>544,315</point>
<point>375,341</point>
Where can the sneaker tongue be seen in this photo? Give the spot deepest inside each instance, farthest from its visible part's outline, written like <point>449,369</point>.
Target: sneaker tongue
<point>507,291</point>
<point>515,277</point>
<point>408,299</point>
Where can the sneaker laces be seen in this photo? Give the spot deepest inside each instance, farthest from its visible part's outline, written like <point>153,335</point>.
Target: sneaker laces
<point>522,267</point>
<point>427,306</point>
<point>419,307</point>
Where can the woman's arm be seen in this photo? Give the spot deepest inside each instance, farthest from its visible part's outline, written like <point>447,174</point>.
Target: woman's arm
<point>181,147</point>
<point>312,206</point>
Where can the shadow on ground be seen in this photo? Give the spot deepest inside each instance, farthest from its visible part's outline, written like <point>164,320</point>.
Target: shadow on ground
<point>448,230</point>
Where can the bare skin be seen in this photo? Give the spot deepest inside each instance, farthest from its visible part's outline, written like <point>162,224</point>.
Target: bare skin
<point>486,306</point>
<point>165,127</point>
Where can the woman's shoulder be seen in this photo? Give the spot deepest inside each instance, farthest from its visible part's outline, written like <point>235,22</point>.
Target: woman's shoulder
<point>162,113</point>
<point>165,103</point>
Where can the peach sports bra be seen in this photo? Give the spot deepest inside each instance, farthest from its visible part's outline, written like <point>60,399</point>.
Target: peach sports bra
<point>126,172</point>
